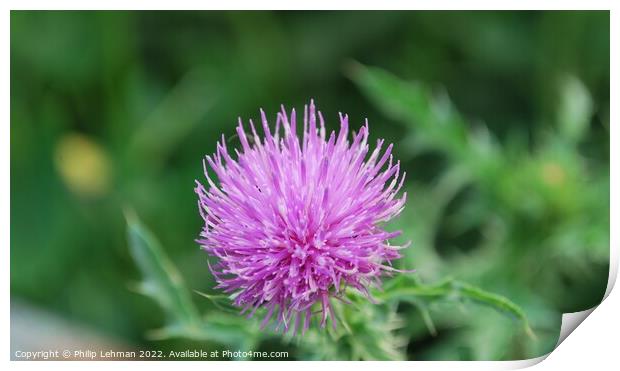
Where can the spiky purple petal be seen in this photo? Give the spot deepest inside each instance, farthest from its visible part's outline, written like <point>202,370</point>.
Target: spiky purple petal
<point>295,220</point>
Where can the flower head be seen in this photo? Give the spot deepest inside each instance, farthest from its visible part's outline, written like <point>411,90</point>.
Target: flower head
<point>297,218</point>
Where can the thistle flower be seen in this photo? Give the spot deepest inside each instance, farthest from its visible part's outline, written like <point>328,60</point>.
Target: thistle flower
<point>296,219</point>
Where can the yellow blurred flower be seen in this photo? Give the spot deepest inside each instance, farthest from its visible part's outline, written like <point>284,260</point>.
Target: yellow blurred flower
<point>83,165</point>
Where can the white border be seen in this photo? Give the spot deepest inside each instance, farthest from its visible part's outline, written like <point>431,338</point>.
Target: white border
<point>313,5</point>
<point>594,341</point>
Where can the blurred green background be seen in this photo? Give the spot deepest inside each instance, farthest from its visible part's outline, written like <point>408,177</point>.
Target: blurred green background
<point>508,178</point>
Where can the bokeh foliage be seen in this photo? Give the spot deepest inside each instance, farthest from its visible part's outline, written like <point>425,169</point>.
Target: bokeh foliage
<point>501,120</point>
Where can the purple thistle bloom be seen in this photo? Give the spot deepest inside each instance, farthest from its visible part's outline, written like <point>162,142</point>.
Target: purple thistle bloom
<point>296,219</point>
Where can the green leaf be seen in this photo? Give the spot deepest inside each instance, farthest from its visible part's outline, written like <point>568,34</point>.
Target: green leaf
<point>161,280</point>
<point>232,330</point>
<point>438,125</point>
<point>400,100</point>
<point>364,332</point>
<point>410,289</point>
<point>222,302</point>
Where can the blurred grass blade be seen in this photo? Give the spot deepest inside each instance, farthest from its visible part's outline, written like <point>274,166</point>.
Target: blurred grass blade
<point>575,109</point>
<point>175,117</point>
<point>161,280</point>
<point>426,317</point>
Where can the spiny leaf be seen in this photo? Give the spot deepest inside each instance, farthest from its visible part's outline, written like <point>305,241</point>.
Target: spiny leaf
<point>410,289</point>
<point>162,281</point>
<point>498,302</point>
<point>223,302</point>
<point>364,332</point>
